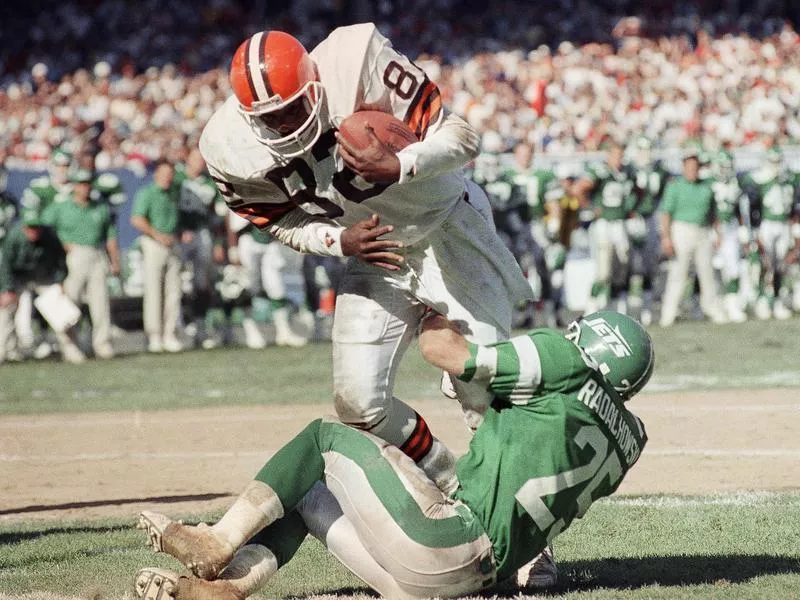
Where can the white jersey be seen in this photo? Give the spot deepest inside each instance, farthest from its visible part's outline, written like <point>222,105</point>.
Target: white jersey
<point>358,70</point>
<point>452,254</point>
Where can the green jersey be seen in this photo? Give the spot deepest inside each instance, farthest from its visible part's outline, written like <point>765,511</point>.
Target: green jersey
<point>197,199</point>
<point>108,189</point>
<point>689,201</point>
<point>774,194</point>
<point>90,225</point>
<point>537,187</point>
<point>556,438</point>
<point>159,207</point>
<point>649,183</point>
<point>728,196</point>
<point>612,194</point>
<point>23,261</point>
<point>42,192</point>
<point>8,207</point>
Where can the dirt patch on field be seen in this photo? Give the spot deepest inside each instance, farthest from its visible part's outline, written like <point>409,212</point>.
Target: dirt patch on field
<point>101,464</point>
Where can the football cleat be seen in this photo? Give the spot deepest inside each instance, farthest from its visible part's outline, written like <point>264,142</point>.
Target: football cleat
<point>762,309</point>
<point>151,583</point>
<point>780,311</point>
<point>541,572</point>
<point>198,548</point>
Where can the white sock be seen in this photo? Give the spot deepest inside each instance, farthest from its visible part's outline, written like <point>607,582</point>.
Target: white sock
<point>254,509</point>
<point>250,569</point>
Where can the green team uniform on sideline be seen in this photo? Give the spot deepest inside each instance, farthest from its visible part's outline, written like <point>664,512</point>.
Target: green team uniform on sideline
<point>650,181</point>
<point>23,261</point>
<point>91,225</point>
<point>776,195</point>
<point>197,199</point>
<point>612,192</point>
<point>159,207</point>
<point>727,197</point>
<point>538,187</point>
<point>689,202</point>
<point>107,188</point>
<point>545,451</point>
<point>41,193</point>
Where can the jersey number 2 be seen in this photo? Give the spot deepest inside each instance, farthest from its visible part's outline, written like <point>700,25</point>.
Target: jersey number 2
<point>603,465</point>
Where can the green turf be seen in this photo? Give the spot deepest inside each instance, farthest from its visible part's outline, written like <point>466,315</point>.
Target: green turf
<point>733,546</point>
<point>689,355</point>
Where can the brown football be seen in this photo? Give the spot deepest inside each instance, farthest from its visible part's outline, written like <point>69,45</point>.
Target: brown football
<point>391,131</point>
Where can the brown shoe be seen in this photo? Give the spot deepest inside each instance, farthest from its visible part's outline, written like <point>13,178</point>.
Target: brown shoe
<point>198,548</point>
<point>191,588</point>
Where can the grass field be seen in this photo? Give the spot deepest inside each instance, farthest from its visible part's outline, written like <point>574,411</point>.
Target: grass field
<point>731,546</point>
<point>688,356</point>
<point>738,545</point>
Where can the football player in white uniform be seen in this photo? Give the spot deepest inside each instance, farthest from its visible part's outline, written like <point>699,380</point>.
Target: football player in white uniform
<point>272,149</point>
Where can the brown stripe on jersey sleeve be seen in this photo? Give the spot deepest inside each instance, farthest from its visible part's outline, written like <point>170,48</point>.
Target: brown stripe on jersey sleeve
<point>262,215</point>
<point>424,108</point>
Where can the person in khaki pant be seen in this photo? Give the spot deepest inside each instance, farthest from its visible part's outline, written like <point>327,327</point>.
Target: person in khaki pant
<point>155,215</point>
<point>687,214</point>
<point>89,236</point>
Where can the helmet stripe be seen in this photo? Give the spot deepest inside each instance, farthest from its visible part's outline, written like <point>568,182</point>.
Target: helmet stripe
<point>255,73</point>
<point>248,68</point>
<point>262,61</point>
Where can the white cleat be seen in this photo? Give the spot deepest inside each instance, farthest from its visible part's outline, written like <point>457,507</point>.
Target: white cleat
<point>252,335</point>
<point>291,339</point>
<point>541,572</point>
<point>780,311</point>
<point>763,313</point>
<point>172,344</point>
<point>154,345</point>
<point>151,583</point>
<point>733,309</point>
<point>646,317</point>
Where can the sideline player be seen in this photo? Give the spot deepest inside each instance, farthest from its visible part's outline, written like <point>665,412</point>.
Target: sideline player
<point>611,187</point>
<point>556,438</point>
<point>272,147</point>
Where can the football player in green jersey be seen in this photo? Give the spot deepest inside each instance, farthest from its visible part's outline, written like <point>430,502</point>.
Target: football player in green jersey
<point>733,214</point>
<point>43,191</point>
<point>556,437</point>
<point>650,179</point>
<point>611,187</point>
<point>772,191</point>
<point>8,203</point>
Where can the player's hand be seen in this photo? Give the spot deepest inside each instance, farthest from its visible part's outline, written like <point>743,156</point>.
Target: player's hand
<point>164,239</point>
<point>361,240</point>
<point>218,255</point>
<point>376,163</point>
<point>187,237</point>
<point>7,299</point>
<point>667,247</point>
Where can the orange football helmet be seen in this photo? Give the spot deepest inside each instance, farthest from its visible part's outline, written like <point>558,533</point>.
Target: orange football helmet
<point>279,92</point>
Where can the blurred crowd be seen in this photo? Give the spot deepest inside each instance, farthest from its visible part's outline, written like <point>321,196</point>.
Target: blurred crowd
<point>93,85</point>
<point>142,79</point>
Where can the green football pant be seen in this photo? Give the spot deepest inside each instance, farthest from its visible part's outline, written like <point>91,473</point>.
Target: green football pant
<point>431,545</point>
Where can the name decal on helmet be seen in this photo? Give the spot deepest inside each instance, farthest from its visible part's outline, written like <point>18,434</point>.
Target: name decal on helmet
<point>611,336</point>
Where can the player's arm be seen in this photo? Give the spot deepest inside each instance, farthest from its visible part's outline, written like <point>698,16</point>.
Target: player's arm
<point>511,369</point>
<point>396,85</point>
<point>112,243</point>
<point>665,219</point>
<point>266,207</point>
<point>583,186</point>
